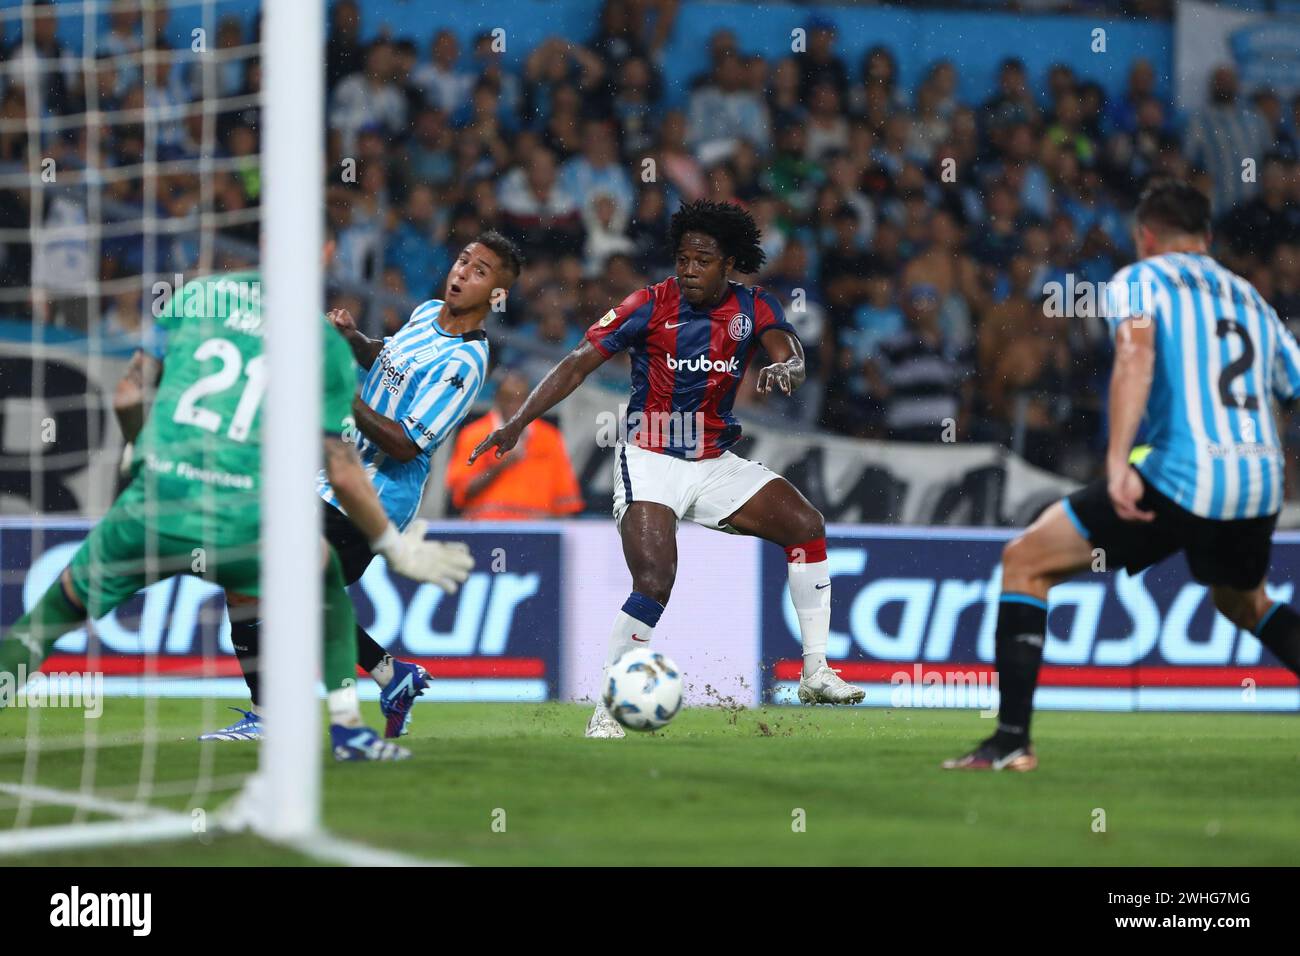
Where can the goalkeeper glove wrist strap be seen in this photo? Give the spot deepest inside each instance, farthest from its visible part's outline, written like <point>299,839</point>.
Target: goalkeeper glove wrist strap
<point>388,542</point>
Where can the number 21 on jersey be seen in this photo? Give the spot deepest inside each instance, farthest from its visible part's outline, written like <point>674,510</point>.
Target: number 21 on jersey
<point>188,411</point>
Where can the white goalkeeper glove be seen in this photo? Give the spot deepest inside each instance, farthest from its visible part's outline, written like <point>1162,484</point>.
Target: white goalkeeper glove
<point>407,553</point>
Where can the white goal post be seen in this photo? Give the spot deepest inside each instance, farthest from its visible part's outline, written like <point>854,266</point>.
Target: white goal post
<point>282,799</point>
<point>287,797</point>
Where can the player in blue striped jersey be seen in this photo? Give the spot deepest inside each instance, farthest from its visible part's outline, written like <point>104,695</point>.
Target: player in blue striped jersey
<point>419,385</point>
<point>1221,353</point>
<point>1200,358</point>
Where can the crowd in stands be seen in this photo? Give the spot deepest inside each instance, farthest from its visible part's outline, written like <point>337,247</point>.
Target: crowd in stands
<point>910,233</point>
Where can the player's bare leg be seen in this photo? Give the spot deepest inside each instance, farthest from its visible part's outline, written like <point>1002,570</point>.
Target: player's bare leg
<point>1048,552</point>
<point>1276,625</point>
<point>649,534</point>
<point>779,513</point>
<point>59,610</point>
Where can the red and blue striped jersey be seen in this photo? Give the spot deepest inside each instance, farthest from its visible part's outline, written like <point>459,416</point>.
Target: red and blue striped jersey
<point>686,363</point>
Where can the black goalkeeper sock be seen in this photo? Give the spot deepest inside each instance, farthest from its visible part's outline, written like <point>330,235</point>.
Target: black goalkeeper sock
<point>369,654</point>
<point>1280,633</point>
<point>1021,631</point>
<point>246,638</point>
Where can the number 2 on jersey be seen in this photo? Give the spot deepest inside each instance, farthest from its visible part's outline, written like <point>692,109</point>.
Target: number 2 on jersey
<point>1236,368</point>
<point>188,411</point>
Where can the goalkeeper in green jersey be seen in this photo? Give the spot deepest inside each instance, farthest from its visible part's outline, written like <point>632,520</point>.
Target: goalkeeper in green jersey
<point>193,505</point>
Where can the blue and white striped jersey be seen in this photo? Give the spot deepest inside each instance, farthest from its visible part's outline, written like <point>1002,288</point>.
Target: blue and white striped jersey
<point>426,380</point>
<point>1222,355</point>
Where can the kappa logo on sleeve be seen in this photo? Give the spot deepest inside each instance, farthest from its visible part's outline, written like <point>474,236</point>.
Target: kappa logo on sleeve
<point>456,381</point>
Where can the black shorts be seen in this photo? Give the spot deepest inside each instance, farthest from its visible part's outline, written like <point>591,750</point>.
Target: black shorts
<point>348,542</point>
<point>1227,553</point>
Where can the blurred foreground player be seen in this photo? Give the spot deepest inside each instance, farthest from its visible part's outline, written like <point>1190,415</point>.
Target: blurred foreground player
<point>1200,355</point>
<point>194,503</point>
<point>691,338</point>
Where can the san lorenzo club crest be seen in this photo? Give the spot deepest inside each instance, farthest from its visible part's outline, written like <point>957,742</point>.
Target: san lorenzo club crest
<point>740,326</point>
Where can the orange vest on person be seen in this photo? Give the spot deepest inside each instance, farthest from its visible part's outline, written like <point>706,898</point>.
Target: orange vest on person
<point>540,483</point>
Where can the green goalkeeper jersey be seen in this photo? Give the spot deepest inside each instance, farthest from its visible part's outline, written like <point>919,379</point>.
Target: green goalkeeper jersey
<point>198,459</point>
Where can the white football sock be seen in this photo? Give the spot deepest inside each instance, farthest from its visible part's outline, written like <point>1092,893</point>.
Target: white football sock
<point>345,707</point>
<point>628,633</point>
<point>810,593</point>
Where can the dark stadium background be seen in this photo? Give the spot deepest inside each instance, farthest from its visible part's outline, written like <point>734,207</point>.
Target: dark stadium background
<point>840,152</point>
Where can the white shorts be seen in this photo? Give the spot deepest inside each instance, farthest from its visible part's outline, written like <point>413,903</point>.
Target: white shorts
<point>707,491</point>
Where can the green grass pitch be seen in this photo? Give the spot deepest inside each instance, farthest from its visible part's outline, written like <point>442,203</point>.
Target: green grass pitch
<point>721,787</point>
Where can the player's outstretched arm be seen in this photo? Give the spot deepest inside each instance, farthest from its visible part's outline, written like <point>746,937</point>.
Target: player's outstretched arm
<point>407,553</point>
<point>364,349</point>
<point>131,396</point>
<point>787,371</point>
<point>558,385</point>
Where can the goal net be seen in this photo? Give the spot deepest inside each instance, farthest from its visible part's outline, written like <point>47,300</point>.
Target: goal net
<point>140,149</point>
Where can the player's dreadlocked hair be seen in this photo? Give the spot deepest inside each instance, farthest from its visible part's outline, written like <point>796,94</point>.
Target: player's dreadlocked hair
<point>734,229</point>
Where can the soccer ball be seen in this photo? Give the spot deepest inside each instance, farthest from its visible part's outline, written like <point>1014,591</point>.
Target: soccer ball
<point>644,690</point>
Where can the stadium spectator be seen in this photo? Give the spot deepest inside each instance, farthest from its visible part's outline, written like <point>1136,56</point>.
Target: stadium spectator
<point>1013,103</point>
<point>411,248</point>
<point>368,97</point>
<point>488,64</point>
<point>1140,87</point>
<point>428,158</point>
<point>821,65</point>
<point>633,104</point>
<point>230,72</point>
<point>917,375</point>
<point>556,63</point>
<point>723,111</point>
<point>828,129</point>
<point>944,267</point>
<point>681,169</point>
<point>446,86</point>
<point>597,169</point>
<point>122,40</point>
<point>784,97</point>
<point>1221,134</point>
<point>1254,229</point>
<point>605,223</point>
<point>532,481</point>
<point>648,227</point>
<point>60,83</point>
<point>344,54</point>
<point>538,212</point>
